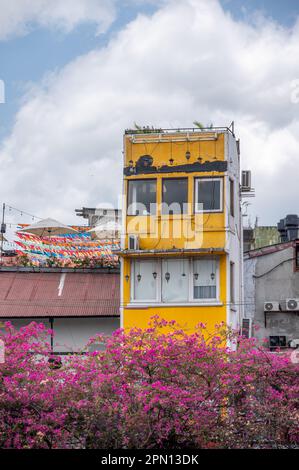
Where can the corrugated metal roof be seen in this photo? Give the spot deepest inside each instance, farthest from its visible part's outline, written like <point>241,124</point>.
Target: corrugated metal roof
<point>44,294</point>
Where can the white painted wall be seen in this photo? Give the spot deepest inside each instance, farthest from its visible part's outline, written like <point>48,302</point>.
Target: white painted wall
<point>72,334</point>
<point>234,238</point>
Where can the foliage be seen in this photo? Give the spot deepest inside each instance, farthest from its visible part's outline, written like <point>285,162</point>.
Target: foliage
<point>201,126</point>
<point>153,388</point>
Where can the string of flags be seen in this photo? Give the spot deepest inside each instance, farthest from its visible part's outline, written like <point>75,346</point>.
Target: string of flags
<point>66,248</point>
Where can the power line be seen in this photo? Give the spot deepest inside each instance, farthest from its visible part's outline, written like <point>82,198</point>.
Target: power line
<point>22,212</point>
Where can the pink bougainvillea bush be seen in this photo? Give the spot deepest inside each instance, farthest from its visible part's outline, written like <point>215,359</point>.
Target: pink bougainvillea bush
<point>153,388</point>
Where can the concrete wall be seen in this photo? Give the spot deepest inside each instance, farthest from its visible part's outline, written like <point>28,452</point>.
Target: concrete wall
<point>271,277</point>
<point>72,334</point>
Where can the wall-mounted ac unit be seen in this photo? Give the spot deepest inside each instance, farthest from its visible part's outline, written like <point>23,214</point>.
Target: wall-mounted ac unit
<point>246,180</point>
<point>133,242</point>
<point>271,306</point>
<point>294,343</point>
<point>292,305</point>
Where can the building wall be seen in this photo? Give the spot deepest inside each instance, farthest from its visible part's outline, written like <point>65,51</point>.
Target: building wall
<point>264,236</point>
<point>210,231</point>
<point>271,277</point>
<point>72,334</point>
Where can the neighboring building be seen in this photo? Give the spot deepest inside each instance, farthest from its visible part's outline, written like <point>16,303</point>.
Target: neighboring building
<point>181,254</point>
<point>75,304</point>
<point>289,228</point>
<point>271,285</point>
<point>106,223</point>
<point>258,237</point>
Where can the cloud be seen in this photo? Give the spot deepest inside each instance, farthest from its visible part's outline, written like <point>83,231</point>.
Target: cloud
<point>18,17</point>
<point>189,60</point>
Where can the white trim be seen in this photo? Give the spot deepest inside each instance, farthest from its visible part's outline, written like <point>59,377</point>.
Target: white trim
<point>175,304</point>
<point>196,181</point>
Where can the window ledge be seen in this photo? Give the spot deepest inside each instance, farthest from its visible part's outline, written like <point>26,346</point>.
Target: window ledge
<point>174,304</point>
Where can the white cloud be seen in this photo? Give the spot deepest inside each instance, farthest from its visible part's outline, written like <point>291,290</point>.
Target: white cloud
<point>188,61</point>
<point>18,17</point>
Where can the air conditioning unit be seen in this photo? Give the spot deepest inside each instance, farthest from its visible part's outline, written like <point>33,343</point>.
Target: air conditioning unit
<point>271,306</point>
<point>292,305</point>
<point>133,242</point>
<point>246,180</point>
<point>294,343</point>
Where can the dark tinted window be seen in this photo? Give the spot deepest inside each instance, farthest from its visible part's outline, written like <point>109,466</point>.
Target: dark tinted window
<point>142,197</point>
<point>174,196</point>
<point>208,193</point>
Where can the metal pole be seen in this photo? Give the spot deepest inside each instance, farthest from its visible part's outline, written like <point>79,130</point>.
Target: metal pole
<point>2,230</point>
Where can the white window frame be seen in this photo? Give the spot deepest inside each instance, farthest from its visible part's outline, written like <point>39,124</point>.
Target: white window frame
<point>158,300</point>
<point>196,209</point>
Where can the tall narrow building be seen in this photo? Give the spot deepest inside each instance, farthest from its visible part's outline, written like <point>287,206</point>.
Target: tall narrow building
<point>181,256</point>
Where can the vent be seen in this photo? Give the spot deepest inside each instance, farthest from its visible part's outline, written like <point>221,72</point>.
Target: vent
<point>271,306</point>
<point>133,242</point>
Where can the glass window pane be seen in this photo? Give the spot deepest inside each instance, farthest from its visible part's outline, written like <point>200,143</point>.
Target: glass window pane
<point>175,280</point>
<point>145,280</point>
<point>209,195</point>
<point>205,279</point>
<point>174,196</point>
<point>142,197</point>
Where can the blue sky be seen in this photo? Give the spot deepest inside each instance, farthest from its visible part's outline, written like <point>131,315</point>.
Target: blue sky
<point>57,117</point>
<point>27,58</point>
<point>285,12</point>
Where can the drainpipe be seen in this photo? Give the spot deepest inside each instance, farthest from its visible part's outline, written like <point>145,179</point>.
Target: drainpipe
<point>51,320</point>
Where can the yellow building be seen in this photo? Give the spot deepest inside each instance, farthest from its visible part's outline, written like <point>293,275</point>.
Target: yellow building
<point>181,250</point>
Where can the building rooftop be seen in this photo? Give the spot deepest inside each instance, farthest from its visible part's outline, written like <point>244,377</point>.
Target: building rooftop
<point>182,130</point>
<point>54,292</point>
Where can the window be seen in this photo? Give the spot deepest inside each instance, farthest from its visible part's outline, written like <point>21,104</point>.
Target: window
<point>208,195</point>
<point>175,280</point>
<point>142,197</point>
<point>232,197</point>
<point>232,283</point>
<point>205,279</point>
<point>174,195</point>
<point>144,280</point>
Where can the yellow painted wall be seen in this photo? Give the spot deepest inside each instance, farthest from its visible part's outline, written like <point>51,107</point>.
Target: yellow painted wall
<point>163,150</point>
<point>185,315</point>
<point>152,228</point>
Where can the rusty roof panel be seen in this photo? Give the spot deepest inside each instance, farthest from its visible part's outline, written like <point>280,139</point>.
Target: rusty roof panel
<point>25,294</point>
